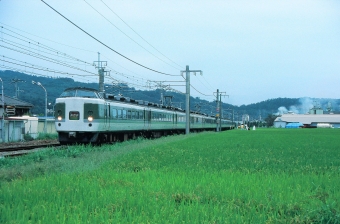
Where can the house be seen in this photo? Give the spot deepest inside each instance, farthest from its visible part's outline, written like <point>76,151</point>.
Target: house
<point>14,107</point>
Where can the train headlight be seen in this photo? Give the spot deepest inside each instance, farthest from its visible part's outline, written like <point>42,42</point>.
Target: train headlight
<point>59,118</point>
<point>90,115</point>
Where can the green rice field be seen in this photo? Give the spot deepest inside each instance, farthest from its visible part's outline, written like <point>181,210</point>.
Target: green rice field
<point>262,176</point>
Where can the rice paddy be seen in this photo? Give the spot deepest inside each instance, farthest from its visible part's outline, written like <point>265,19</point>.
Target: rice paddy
<point>262,176</point>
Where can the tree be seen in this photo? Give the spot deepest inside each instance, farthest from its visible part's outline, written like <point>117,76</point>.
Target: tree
<point>270,119</point>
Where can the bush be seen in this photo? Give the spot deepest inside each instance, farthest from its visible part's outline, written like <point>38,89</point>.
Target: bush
<point>28,137</point>
<point>44,136</point>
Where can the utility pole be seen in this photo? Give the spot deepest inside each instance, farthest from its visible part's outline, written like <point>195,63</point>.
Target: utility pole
<point>15,81</point>
<point>100,66</point>
<point>219,109</point>
<point>3,112</point>
<point>187,96</point>
<point>232,109</point>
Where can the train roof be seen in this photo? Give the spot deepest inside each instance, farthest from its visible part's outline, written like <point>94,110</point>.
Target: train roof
<point>132,101</point>
<point>81,88</point>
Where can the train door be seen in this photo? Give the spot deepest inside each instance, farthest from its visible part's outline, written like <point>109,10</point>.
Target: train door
<point>107,114</point>
<point>174,120</point>
<point>147,119</point>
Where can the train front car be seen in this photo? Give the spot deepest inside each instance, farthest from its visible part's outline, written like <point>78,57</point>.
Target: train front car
<point>79,114</point>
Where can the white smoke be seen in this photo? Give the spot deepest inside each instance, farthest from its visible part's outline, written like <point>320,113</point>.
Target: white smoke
<point>306,104</point>
<point>281,110</point>
<point>293,109</point>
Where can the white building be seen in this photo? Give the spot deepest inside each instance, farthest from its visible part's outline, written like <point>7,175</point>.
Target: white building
<point>309,120</point>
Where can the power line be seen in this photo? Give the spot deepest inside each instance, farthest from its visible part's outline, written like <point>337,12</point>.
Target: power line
<point>140,35</point>
<point>58,54</point>
<point>199,91</point>
<point>49,40</point>
<point>46,58</point>
<point>28,65</point>
<point>33,73</point>
<point>127,35</point>
<point>105,44</point>
<point>204,83</point>
<point>42,45</point>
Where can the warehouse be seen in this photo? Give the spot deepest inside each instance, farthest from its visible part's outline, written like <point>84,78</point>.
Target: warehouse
<point>309,120</point>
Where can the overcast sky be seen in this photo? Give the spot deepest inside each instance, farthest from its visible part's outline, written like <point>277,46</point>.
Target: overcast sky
<point>251,50</point>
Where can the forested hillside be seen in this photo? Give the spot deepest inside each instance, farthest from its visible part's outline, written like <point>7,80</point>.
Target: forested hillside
<point>36,95</point>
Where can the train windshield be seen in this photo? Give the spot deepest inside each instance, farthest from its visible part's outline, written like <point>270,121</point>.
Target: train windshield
<point>79,93</point>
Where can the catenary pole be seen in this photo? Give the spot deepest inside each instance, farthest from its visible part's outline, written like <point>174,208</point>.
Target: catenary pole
<point>3,112</point>
<point>187,97</point>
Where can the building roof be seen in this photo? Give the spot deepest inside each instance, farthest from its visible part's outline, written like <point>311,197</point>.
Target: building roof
<point>9,101</point>
<point>309,118</point>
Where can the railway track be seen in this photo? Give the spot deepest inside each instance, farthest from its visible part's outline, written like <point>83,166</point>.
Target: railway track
<point>19,150</point>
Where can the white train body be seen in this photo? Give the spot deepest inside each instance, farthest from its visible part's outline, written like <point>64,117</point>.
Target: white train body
<point>86,116</point>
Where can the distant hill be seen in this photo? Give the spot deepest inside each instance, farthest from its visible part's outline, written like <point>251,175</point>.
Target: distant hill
<point>55,86</point>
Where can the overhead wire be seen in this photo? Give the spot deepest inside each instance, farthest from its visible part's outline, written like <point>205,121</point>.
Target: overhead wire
<point>47,59</point>
<point>31,51</point>
<point>23,71</point>
<point>199,91</point>
<point>140,35</point>
<point>61,55</point>
<point>41,45</point>
<point>40,54</point>
<point>204,84</point>
<point>49,39</point>
<point>37,67</point>
<point>43,57</point>
<point>128,35</point>
<point>163,73</point>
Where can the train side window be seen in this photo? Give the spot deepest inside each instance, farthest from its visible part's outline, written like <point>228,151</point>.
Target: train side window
<point>124,114</point>
<point>114,113</point>
<point>141,113</point>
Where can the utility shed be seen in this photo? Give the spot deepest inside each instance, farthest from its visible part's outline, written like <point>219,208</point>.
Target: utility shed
<point>308,120</point>
<point>13,130</point>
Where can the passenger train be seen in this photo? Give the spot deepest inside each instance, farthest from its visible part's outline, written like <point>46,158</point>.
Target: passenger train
<point>84,115</point>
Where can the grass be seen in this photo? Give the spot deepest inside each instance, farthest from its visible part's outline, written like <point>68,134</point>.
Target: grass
<point>262,176</point>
